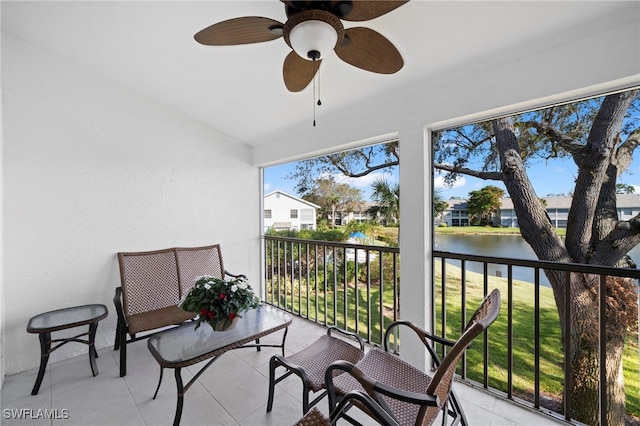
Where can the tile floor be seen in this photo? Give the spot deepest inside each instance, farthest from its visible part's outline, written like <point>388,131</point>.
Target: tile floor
<point>233,391</point>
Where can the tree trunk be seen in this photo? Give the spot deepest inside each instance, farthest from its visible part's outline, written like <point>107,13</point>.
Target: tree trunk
<point>537,230</point>
<point>584,355</point>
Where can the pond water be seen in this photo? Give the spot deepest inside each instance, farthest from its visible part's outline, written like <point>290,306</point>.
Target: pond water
<point>509,246</point>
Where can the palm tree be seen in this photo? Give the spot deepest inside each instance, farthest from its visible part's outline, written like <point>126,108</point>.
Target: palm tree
<point>386,197</point>
<point>439,204</point>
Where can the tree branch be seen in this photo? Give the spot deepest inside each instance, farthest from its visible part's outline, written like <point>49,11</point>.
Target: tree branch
<point>615,246</point>
<point>469,172</point>
<point>624,152</point>
<point>592,173</point>
<point>347,172</point>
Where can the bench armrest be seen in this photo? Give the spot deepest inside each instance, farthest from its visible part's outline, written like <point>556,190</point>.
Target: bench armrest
<point>235,275</point>
<point>347,334</point>
<point>117,301</point>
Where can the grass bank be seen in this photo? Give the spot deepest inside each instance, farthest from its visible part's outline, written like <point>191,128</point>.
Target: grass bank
<point>523,338</point>
<point>466,230</point>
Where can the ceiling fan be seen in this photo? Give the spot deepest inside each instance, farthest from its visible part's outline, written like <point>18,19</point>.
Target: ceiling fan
<point>312,30</point>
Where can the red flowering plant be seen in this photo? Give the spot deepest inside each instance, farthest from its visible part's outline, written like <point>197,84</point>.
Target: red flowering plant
<point>218,302</point>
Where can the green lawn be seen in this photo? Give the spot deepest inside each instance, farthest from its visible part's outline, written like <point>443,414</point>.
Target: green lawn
<point>483,230</point>
<point>523,332</point>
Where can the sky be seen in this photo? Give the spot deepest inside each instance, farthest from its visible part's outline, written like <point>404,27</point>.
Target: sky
<point>275,179</point>
<point>554,178</point>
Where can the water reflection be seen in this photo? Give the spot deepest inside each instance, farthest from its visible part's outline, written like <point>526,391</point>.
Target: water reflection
<point>509,246</point>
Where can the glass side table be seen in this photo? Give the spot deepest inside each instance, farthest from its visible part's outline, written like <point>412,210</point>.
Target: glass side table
<point>62,319</point>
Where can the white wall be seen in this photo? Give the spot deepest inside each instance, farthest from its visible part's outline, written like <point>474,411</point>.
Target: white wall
<point>281,206</point>
<point>574,62</point>
<point>90,169</point>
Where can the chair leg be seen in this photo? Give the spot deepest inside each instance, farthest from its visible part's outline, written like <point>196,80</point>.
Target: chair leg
<point>457,408</point>
<point>123,352</point>
<point>272,383</point>
<point>116,346</point>
<point>305,398</point>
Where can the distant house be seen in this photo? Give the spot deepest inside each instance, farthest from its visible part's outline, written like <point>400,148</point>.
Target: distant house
<point>358,214</point>
<point>454,215</point>
<point>284,212</point>
<point>628,206</point>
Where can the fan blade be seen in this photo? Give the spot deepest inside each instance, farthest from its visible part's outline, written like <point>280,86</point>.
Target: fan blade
<point>298,72</point>
<point>369,50</point>
<point>245,30</point>
<point>366,10</point>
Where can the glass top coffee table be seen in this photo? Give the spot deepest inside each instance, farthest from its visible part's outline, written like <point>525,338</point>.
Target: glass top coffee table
<point>183,346</point>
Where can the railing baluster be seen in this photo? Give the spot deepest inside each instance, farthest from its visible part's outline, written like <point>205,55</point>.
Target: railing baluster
<point>602,324</point>
<point>485,340</point>
<point>315,282</point>
<point>356,293</point>
<point>568,377</point>
<point>335,286</point>
<point>299,263</point>
<point>510,331</point>
<point>346,289</point>
<point>536,331</point>
<point>308,272</point>
<point>381,286</point>
<point>279,275</point>
<point>368,302</point>
<point>463,311</point>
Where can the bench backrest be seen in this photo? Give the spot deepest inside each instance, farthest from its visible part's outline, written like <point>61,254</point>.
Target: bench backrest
<point>158,279</point>
<point>195,262</point>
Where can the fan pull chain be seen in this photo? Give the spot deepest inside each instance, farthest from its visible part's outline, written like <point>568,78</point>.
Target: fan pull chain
<point>316,77</point>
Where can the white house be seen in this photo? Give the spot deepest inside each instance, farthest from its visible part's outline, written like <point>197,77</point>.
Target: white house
<point>628,206</point>
<point>454,215</point>
<point>284,211</point>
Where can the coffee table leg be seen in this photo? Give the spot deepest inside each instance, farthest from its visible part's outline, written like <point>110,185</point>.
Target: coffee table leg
<point>92,348</point>
<point>45,346</point>
<point>180,387</point>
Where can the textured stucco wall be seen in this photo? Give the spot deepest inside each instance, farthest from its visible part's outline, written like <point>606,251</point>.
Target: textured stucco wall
<point>91,168</point>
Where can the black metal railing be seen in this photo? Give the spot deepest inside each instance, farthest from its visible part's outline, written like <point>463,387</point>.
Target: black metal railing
<point>350,286</point>
<point>523,357</point>
<point>515,355</point>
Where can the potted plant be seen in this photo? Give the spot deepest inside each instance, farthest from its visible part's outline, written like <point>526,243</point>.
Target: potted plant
<point>219,302</point>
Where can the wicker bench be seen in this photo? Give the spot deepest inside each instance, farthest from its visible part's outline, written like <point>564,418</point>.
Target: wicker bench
<point>152,285</point>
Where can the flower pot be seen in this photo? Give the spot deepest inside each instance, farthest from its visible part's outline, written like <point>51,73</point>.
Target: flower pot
<point>223,324</point>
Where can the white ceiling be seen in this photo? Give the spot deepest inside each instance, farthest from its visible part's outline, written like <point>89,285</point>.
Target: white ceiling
<point>148,46</point>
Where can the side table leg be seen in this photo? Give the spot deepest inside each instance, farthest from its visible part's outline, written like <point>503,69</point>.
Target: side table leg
<point>92,348</point>
<point>159,383</point>
<point>180,387</point>
<point>45,346</point>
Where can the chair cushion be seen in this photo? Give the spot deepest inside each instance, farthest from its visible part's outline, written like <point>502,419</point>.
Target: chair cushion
<point>157,318</point>
<point>389,369</point>
<point>315,358</point>
<point>313,418</point>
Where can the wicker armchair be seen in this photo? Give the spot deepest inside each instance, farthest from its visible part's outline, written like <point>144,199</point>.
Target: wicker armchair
<point>152,284</point>
<point>395,393</point>
<point>310,364</point>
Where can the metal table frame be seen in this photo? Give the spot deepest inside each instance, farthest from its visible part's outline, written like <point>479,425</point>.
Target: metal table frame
<point>62,319</point>
<point>183,346</point>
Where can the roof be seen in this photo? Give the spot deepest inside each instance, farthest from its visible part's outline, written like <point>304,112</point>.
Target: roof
<point>623,201</point>
<point>310,204</point>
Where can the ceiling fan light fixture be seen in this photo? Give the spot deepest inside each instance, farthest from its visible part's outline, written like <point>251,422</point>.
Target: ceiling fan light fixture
<point>313,34</point>
<point>313,40</point>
